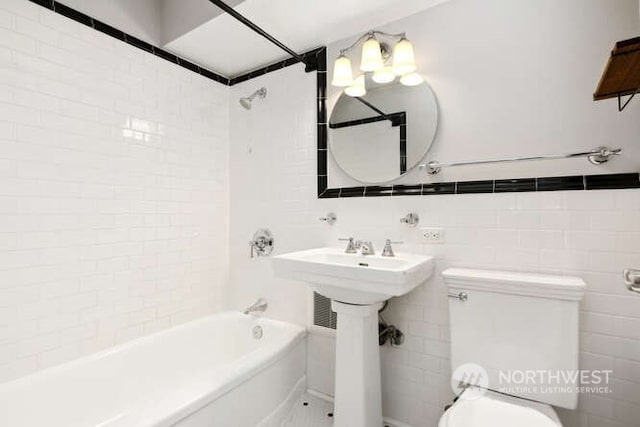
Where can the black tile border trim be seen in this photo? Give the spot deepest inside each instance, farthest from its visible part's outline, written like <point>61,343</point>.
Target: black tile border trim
<point>540,184</point>
<point>312,56</point>
<point>564,183</point>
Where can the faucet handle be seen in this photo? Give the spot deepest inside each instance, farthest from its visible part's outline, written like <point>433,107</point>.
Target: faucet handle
<point>411,219</point>
<point>352,247</point>
<point>388,250</point>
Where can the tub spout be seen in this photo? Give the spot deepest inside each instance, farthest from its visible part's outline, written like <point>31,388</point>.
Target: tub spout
<point>260,305</point>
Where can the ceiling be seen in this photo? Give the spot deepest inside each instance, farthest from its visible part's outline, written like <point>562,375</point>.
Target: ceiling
<point>225,46</point>
<point>202,33</point>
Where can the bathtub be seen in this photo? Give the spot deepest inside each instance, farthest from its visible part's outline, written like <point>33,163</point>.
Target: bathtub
<point>224,370</point>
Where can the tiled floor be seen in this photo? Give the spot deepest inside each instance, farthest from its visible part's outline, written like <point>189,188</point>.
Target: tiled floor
<point>311,411</point>
<point>313,414</point>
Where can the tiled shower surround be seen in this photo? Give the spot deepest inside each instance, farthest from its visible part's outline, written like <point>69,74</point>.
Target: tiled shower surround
<point>114,191</point>
<point>130,188</point>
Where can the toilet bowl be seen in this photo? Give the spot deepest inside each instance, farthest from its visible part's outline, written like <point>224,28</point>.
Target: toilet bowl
<point>499,410</point>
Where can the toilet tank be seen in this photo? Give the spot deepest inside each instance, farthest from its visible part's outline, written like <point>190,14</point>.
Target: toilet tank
<point>522,328</point>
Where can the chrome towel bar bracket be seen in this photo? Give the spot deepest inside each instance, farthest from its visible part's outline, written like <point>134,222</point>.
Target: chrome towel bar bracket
<point>632,280</point>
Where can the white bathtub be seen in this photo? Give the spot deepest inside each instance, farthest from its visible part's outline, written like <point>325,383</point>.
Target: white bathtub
<point>209,372</point>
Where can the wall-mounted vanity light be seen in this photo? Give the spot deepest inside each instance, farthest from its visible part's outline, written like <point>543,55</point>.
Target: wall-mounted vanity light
<point>376,58</point>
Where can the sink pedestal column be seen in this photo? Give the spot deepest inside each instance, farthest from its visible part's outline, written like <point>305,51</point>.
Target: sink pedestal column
<point>358,396</point>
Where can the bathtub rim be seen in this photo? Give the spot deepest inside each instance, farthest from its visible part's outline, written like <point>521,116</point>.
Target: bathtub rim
<point>243,368</point>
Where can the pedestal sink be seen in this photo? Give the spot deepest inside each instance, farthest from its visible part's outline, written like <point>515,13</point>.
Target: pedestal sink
<point>357,285</point>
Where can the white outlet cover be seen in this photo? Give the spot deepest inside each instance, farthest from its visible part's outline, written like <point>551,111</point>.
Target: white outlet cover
<point>432,234</point>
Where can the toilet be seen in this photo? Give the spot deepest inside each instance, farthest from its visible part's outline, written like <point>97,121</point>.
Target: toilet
<point>520,330</point>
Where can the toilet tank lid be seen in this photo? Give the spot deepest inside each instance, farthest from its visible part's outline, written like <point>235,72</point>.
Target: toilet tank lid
<point>515,282</point>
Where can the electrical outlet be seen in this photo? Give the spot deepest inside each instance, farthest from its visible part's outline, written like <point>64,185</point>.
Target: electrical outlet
<point>432,235</point>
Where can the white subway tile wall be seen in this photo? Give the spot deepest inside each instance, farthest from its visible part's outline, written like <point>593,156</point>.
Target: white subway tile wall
<point>590,234</point>
<point>113,191</point>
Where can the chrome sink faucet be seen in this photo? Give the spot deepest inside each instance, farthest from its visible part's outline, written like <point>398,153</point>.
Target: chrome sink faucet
<point>366,247</point>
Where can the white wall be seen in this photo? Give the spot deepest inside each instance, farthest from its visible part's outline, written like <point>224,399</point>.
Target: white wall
<point>113,191</point>
<point>592,234</point>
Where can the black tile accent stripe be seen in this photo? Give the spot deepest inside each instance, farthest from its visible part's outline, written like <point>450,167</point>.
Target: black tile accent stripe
<point>322,134</point>
<point>72,13</point>
<point>618,181</point>
<point>513,185</point>
<point>439,188</point>
<point>407,190</point>
<point>44,3</point>
<point>377,191</point>
<point>564,183</point>
<point>140,44</point>
<point>109,30</point>
<point>557,183</point>
<point>474,187</point>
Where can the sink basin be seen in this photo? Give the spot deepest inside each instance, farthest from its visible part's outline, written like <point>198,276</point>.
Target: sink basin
<point>355,278</point>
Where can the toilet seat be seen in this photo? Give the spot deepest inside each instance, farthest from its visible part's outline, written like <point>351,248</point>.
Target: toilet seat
<point>499,410</point>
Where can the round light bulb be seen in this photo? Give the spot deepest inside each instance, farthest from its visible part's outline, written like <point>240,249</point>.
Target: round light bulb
<point>357,88</point>
<point>411,79</point>
<point>384,75</point>
<point>371,55</point>
<point>342,74</point>
<point>403,58</point>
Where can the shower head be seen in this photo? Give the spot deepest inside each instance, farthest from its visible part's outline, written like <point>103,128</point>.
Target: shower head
<point>246,101</point>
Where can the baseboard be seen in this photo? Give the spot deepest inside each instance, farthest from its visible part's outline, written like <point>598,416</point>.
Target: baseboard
<point>277,417</point>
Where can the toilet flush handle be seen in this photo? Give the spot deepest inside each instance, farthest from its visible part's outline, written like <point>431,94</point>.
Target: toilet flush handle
<point>462,296</point>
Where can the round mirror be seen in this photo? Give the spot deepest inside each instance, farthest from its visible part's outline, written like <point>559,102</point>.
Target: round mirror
<point>385,133</point>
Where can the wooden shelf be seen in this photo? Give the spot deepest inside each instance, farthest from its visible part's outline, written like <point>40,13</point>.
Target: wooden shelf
<point>622,74</point>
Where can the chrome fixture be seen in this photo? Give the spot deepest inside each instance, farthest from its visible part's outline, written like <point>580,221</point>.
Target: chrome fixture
<point>330,219</point>
<point>388,250</point>
<point>262,243</point>
<point>411,219</point>
<point>366,248</point>
<point>246,101</point>
<point>597,156</point>
<point>351,245</point>
<point>257,332</point>
<point>462,296</point>
<point>258,306</point>
<point>377,58</point>
<point>632,279</point>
